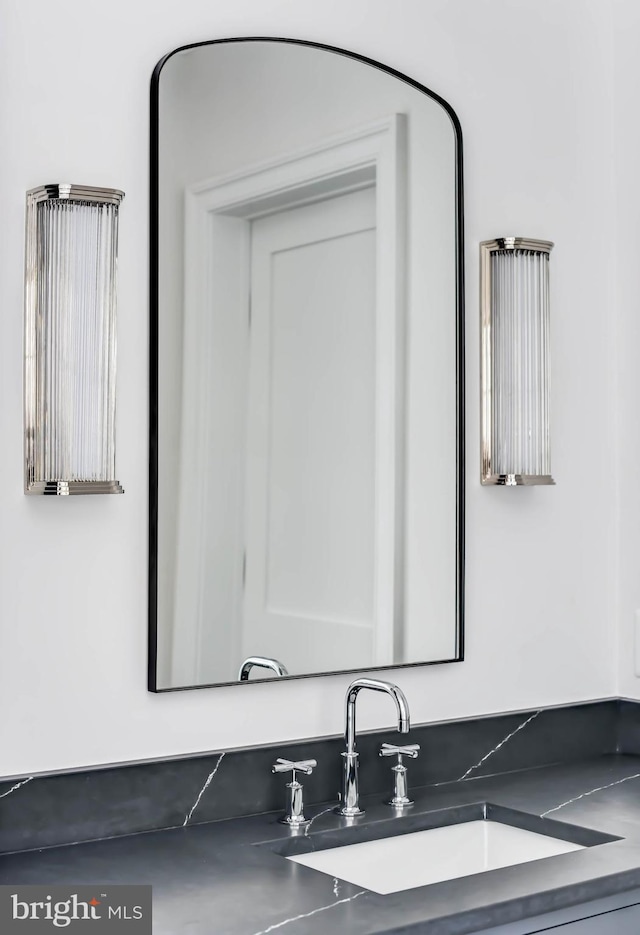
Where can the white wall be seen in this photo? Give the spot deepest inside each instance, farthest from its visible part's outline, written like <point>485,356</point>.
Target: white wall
<point>626,301</point>
<point>532,85</point>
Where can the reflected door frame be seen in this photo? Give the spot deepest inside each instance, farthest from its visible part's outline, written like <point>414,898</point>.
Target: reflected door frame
<point>218,213</point>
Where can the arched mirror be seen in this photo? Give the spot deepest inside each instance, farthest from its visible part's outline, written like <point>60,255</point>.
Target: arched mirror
<point>306,480</point>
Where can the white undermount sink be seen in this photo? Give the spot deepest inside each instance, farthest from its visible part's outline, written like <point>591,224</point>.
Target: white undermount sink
<point>418,858</point>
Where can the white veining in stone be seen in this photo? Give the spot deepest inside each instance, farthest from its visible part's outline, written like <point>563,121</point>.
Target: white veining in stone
<point>308,827</point>
<point>305,915</point>
<point>203,790</point>
<point>17,786</point>
<point>336,887</point>
<point>501,744</point>
<point>590,792</point>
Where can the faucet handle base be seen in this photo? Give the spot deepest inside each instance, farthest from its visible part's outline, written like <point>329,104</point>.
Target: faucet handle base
<point>400,801</point>
<point>348,812</point>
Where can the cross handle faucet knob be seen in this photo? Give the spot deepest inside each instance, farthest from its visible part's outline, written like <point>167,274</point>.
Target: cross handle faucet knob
<point>296,766</point>
<point>392,749</point>
<point>400,799</point>
<point>294,813</point>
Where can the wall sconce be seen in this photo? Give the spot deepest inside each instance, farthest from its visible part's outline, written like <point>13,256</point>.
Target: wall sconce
<point>514,289</point>
<point>70,339</point>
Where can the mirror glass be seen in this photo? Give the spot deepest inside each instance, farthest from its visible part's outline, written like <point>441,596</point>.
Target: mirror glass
<point>306,374</point>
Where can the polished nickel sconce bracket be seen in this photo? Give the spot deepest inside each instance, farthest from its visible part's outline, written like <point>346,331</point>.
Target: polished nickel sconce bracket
<point>70,339</point>
<point>514,305</point>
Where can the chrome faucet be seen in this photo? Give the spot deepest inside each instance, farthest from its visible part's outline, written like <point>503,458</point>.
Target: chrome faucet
<point>349,797</point>
<point>263,662</point>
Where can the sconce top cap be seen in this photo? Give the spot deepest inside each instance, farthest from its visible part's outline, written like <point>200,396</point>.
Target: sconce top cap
<point>517,243</point>
<point>65,191</point>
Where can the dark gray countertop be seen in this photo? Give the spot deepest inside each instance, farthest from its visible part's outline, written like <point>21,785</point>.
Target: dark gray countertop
<point>211,879</point>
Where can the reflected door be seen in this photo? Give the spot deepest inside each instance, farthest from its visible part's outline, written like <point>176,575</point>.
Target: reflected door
<point>311,468</point>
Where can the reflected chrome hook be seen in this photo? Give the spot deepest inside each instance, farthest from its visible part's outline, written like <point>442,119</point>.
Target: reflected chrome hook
<point>263,662</point>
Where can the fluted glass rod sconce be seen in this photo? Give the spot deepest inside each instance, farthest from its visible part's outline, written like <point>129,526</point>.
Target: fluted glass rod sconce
<point>70,339</point>
<point>514,289</point>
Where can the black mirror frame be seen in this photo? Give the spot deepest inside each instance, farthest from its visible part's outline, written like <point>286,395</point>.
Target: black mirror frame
<point>153,367</point>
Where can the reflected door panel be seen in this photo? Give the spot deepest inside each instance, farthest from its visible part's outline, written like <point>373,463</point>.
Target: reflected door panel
<point>311,478</point>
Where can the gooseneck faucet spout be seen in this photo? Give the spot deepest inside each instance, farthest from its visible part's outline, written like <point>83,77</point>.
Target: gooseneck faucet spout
<point>263,662</point>
<point>349,800</point>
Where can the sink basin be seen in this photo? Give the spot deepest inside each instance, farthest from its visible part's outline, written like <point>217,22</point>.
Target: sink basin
<point>423,857</point>
<point>393,855</point>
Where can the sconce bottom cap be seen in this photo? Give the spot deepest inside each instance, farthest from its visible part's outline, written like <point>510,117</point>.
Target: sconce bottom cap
<point>67,488</point>
<point>518,480</point>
